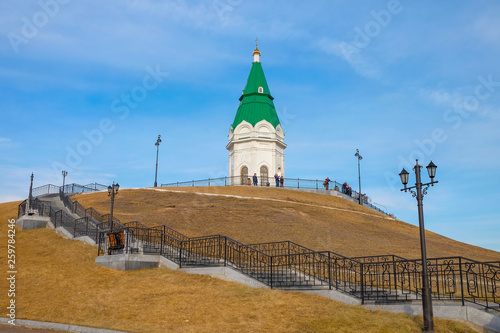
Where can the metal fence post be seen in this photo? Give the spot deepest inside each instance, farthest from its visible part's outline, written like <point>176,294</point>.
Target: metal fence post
<point>288,254</point>
<point>362,284</point>
<point>225,251</point>
<point>161,241</point>
<point>329,272</point>
<point>271,278</point>
<point>485,283</point>
<point>395,273</point>
<point>461,279</point>
<point>180,254</point>
<point>98,246</point>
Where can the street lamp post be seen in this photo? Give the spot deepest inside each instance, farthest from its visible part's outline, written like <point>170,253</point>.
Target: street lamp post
<point>30,197</point>
<point>419,194</point>
<point>359,175</point>
<point>64,174</point>
<point>157,144</point>
<point>112,191</point>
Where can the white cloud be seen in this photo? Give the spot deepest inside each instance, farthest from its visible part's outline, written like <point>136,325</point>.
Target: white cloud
<point>362,64</point>
<point>6,143</point>
<point>487,27</point>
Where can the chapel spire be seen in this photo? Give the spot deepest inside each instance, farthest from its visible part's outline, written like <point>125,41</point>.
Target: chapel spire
<point>256,52</point>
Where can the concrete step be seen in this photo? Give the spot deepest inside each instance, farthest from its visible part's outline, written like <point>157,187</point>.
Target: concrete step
<point>57,204</point>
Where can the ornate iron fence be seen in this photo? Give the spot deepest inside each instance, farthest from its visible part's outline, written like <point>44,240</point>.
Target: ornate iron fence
<point>86,225</point>
<point>387,278</point>
<point>288,265</point>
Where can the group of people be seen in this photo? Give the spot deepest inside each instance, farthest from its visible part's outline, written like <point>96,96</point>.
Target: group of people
<point>280,181</point>
<point>346,189</point>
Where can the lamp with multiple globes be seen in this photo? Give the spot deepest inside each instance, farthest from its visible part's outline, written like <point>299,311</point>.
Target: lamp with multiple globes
<point>419,194</point>
<point>112,191</point>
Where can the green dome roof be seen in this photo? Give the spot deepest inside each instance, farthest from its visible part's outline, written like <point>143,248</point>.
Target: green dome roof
<point>256,104</point>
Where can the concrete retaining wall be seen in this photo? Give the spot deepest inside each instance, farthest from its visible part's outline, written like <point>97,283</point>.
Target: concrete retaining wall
<point>227,274</point>
<point>29,222</point>
<point>128,262</point>
<point>480,319</point>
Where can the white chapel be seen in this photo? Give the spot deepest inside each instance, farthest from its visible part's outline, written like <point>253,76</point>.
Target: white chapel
<point>256,139</point>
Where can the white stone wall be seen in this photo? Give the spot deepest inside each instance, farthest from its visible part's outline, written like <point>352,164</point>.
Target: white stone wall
<point>253,147</point>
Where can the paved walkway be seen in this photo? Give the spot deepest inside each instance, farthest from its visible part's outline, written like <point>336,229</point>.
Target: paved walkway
<point>19,329</point>
<point>56,202</point>
<point>28,326</point>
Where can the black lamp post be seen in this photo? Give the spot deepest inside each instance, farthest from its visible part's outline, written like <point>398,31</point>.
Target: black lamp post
<point>419,194</point>
<point>359,175</point>
<point>64,174</point>
<point>112,191</point>
<point>157,144</point>
<point>30,197</point>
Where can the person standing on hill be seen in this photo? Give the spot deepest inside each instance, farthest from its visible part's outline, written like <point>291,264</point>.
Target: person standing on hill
<point>255,182</point>
<point>326,183</point>
<point>277,178</point>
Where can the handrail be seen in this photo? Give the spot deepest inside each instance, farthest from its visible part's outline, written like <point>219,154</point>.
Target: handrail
<point>290,265</point>
<point>269,181</point>
<point>68,188</point>
<point>286,264</point>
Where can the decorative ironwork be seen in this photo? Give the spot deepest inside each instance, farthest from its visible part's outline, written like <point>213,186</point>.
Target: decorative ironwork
<point>386,278</point>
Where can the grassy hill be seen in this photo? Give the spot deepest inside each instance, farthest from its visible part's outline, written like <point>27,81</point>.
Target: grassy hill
<point>58,281</point>
<point>254,215</point>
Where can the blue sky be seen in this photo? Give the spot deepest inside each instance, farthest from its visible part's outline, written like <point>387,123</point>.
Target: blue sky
<point>88,86</point>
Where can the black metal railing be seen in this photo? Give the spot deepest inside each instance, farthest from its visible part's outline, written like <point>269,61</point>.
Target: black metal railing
<point>288,265</point>
<point>45,189</point>
<point>291,183</point>
<point>264,182</point>
<point>85,225</point>
<point>69,188</point>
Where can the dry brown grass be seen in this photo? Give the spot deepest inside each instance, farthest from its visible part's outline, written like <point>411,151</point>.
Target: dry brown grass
<point>344,227</point>
<point>58,281</point>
